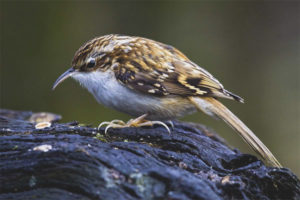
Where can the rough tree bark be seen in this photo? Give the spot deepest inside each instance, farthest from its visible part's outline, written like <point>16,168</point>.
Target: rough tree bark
<point>68,161</point>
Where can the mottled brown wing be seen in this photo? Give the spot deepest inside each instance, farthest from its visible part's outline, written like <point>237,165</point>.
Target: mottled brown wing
<point>163,70</point>
<point>193,79</point>
<point>132,75</point>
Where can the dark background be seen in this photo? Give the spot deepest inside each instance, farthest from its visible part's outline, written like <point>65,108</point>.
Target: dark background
<point>253,48</point>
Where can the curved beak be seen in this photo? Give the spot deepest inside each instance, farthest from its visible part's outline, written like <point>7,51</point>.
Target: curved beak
<point>63,77</point>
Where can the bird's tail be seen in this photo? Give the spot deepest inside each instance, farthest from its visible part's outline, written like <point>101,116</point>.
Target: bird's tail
<point>213,107</point>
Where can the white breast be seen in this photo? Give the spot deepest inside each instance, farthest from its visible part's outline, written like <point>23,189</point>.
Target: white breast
<point>108,91</point>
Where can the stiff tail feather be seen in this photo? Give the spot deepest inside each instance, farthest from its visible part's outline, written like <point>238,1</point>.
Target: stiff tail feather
<point>213,107</point>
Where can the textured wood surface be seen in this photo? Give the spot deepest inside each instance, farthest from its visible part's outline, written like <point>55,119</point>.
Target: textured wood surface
<point>68,161</point>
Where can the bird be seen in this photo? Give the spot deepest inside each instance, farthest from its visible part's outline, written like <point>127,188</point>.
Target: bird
<point>153,82</point>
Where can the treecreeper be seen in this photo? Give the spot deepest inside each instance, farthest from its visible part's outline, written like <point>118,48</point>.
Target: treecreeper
<point>153,81</point>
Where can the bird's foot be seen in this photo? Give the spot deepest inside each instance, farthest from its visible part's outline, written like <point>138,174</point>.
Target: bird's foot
<point>137,122</point>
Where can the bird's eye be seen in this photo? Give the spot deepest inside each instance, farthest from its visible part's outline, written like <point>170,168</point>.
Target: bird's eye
<point>91,63</point>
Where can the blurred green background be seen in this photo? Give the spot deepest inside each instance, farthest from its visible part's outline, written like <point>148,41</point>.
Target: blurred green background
<point>253,48</point>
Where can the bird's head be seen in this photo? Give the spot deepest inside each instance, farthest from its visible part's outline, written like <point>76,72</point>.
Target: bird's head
<point>94,55</point>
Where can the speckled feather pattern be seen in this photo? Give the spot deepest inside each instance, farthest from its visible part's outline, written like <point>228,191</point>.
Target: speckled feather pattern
<point>150,67</point>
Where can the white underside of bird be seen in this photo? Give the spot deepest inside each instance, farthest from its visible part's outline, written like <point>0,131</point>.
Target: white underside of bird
<point>108,91</point>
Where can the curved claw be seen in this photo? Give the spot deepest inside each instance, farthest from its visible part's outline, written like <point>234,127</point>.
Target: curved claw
<point>112,126</point>
<point>115,121</point>
<point>150,123</point>
<point>103,123</point>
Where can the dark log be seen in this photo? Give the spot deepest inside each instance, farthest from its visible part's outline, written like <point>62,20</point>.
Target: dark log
<point>68,161</point>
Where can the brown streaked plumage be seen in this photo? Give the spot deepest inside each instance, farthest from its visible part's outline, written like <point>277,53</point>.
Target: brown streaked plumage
<point>149,66</point>
<point>140,76</point>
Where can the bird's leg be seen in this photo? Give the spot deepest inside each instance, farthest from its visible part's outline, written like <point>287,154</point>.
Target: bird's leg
<point>137,122</point>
